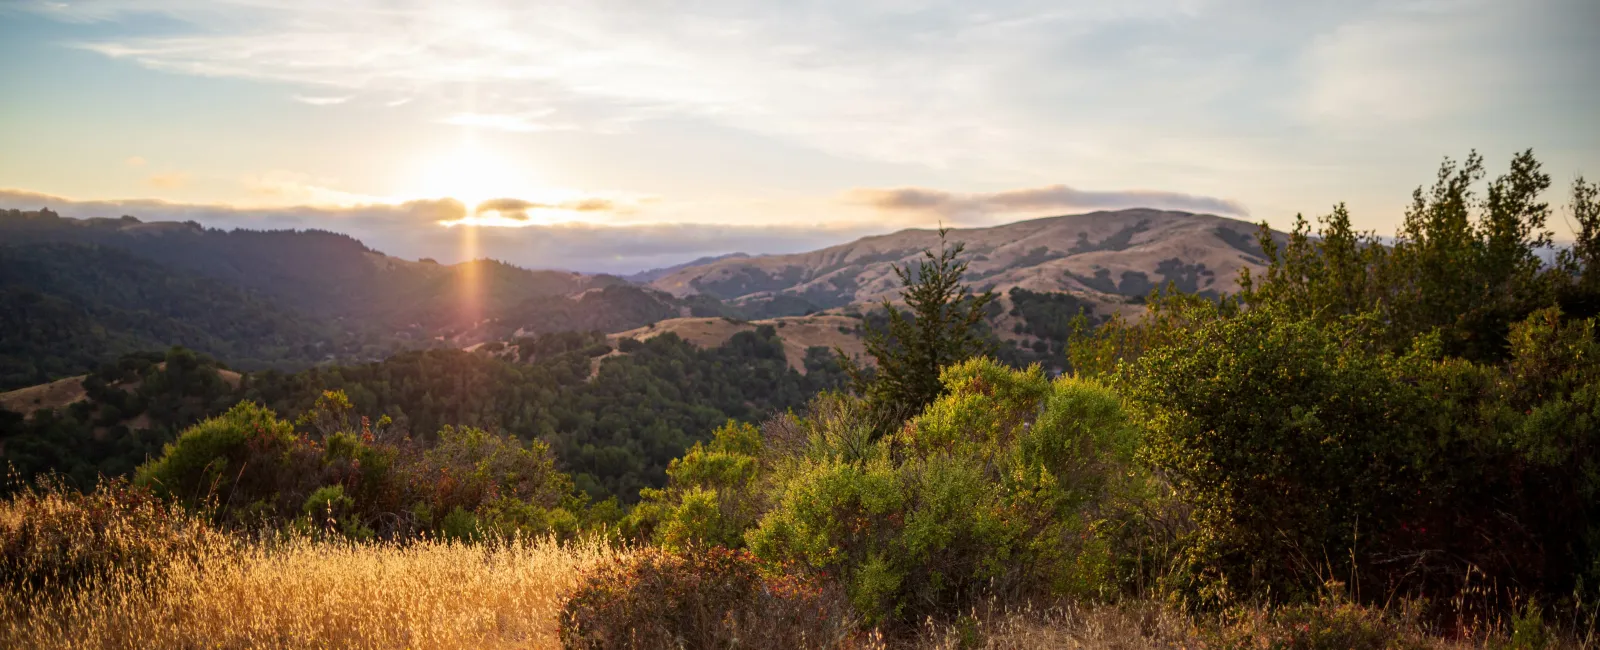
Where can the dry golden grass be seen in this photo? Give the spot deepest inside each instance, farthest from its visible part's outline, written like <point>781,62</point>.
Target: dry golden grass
<point>1134,625</point>
<point>307,594</point>
<point>799,333</point>
<point>114,570</point>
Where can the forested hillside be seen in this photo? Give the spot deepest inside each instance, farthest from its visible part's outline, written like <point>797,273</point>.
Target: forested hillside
<point>332,276</point>
<point>66,308</point>
<point>615,431</point>
<point>81,292</point>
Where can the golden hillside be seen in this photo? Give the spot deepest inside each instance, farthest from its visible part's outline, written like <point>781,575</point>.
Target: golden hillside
<point>1106,257</point>
<point>798,333</point>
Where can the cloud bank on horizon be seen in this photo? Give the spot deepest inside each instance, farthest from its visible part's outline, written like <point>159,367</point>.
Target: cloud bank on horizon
<point>860,115</point>
<point>399,230</point>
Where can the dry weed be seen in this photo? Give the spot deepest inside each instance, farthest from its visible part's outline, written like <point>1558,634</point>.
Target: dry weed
<point>303,593</point>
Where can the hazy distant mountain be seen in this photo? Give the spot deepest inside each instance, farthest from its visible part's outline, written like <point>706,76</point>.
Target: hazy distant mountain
<point>646,277</point>
<point>1111,259</point>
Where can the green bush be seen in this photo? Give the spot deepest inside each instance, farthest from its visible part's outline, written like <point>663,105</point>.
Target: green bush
<point>999,487</point>
<point>239,457</point>
<point>1307,452</point>
<point>712,496</point>
<point>704,598</point>
<point>249,468</point>
<point>503,486</point>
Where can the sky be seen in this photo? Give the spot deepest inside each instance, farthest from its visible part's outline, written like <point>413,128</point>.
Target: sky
<point>617,136</point>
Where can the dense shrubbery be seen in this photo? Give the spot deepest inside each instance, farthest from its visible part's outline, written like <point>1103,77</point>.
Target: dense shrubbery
<point>1306,449</point>
<point>1000,486</point>
<point>251,468</point>
<point>1418,418</point>
<point>997,487</point>
<point>713,495</point>
<point>703,598</point>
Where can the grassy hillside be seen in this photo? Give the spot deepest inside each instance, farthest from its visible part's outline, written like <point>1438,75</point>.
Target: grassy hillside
<point>1109,259</point>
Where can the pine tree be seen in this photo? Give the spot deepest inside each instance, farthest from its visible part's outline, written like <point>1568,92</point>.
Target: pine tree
<point>941,329</point>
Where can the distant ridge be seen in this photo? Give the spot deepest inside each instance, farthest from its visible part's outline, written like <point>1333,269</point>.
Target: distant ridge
<point>646,277</point>
<point>1110,258</point>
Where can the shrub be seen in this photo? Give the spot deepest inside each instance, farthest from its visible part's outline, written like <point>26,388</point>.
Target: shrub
<point>712,496</point>
<point>1000,487</point>
<point>237,458</point>
<point>472,482</point>
<point>703,598</point>
<point>1306,452</point>
<point>345,475</point>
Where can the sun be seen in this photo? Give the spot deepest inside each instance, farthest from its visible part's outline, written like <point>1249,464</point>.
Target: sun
<point>473,174</point>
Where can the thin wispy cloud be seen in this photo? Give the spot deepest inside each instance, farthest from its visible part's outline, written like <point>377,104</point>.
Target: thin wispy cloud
<point>1053,199</point>
<point>941,84</point>
<point>168,180</point>
<point>322,101</point>
<point>516,123</point>
<point>1284,106</point>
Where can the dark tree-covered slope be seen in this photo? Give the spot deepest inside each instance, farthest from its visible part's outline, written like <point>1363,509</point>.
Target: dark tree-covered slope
<point>66,308</point>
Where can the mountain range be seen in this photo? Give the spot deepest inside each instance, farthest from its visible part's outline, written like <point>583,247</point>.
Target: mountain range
<point>1111,259</point>
<point>78,291</point>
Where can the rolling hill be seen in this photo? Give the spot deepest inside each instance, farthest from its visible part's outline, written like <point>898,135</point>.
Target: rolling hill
<point>798,333</point>
<point>1111,259</point>
<point>322,273</point>
<point>75,293</point>
<point>65,308</point>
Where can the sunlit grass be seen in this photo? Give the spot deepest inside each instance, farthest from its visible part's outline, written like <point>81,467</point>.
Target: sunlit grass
<point>302,593</point>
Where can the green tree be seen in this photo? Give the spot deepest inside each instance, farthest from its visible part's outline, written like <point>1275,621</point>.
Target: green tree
<point>944,327</point>
<point>1464,265</point>
<point>1581,262</point>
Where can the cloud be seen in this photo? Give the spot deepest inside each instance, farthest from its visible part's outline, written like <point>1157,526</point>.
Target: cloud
<point>168,180</point>
<point>510,208</point>
<point>398,102</point>
<point>436,210</point>
<point>1053,198</point>
<point>134,161</point>
<point>1289,102</point>
<point>323,101</point>
<point>411,230</point>
<point>282,186</point>
<point>524,123</point>
<point>938,85</point>
<point>589,205</point>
